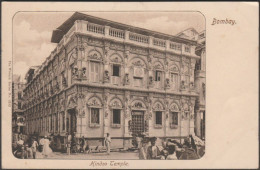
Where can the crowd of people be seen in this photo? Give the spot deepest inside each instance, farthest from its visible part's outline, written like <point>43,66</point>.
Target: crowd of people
<point>170,149</point>
<point>30,148</point>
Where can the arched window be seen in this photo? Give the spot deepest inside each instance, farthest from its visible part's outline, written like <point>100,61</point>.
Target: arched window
<point>116,110</point>
<point>174,116</point>
<point>94,105</point>
<point>94,58</point>
<point>158,111</point>
<point>116,62</point>
<point>158,74</point>
<point>174,78</point>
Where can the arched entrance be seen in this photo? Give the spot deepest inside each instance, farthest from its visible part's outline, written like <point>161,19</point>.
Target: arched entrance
<point>72,120</point>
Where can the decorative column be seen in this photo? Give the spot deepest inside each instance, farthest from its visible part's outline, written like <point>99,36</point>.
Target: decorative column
<point>106,100</point>
<point>106,62</point>
<point>167,77</point>
<point>167,115</point>
<point>150,72</point>
<point>127,118</point>
<point>191,117</point>
<point>149,116</point>
<point>127,115</point>
<point>192,70</point>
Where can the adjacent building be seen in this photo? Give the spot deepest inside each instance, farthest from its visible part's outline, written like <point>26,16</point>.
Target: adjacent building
<point>108,77</point>
<point>200,78</point>
<point>18,120</point>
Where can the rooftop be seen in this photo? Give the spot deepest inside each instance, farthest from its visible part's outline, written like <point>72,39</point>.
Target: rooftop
<point>64,28</point>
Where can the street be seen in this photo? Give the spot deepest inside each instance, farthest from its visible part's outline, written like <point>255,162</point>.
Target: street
<point>123,155</point>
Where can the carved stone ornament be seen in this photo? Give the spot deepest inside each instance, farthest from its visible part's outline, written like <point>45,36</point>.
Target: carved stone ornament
<point>150,81</point>
<point>138,105</point>
<point>116,103</point>
<point>174,108</point>
<point>106,76</point>
<point>174,69</point>
<point>72,102</point>
<point>95,56</point>
<point>94,102</point>
<point>158,107</point>
<point>158,67</point>
<point>138,63</point>
<point>167,83</point>
<point>126,79</point>
<point>106,114</point>
<point>126,54</point>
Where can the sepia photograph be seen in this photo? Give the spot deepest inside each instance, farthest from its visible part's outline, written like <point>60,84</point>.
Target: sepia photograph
<point>109,85</point>
<point>129,85</point>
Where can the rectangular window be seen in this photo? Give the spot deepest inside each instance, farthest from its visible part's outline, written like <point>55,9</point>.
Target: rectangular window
<point>51,123</point>
<point>19,95</point>
<point>116,70</point>
<point>158,118</point>
<point>63,121</point>
<point>174,118</point>
<point>56,124</point>
<point>94,116</point>
<point>94,71</point>
<point>158,75</point>
<point>174,80</point>
<point>19,105</point>
<point>116,116</point>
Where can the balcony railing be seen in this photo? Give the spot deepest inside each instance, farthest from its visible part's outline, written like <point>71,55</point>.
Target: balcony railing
<point>117,33</point>
<point>175,46</point>
<point>158,42</point>
<point>96,28</point>
<point>138,38</point>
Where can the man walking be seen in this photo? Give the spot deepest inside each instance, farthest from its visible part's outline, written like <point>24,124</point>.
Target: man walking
<point>107,143</point>
<point>34,147</point>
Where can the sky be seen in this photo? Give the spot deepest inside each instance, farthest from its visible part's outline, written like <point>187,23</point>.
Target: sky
<point>32,30</point>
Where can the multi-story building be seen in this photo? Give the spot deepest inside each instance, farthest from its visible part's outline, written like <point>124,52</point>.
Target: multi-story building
<point>200,78</point>
<point>18,121</point>
<point>200,84</point>
<point>107,77</point>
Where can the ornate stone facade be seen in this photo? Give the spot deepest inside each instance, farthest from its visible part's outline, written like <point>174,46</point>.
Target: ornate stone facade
<point>108,82</point>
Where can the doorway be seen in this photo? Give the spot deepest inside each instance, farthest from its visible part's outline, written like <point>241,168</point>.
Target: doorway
<point>72,121</point>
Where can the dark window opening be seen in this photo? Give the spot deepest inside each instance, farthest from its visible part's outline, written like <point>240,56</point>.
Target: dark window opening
<point>116,70</point>
<point>158,75</point>
<point>175,118</point>
<point>19,95</point>
<point>19,105</point>
<point>158,116</point>
<point>95,115</point>
<point>116,116</point>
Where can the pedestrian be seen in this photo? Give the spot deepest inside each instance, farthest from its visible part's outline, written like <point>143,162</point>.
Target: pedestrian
<point>153,151</point>
<point>172,153</point>
<point>46,147</point>
<point>139,140</point>
<point>28,152</point>
<point>107,142</point>
<point>82,144</point>
<point>143,149</point>
<point>20,141</point>
<point>68,145</point>
<point>34,147</point>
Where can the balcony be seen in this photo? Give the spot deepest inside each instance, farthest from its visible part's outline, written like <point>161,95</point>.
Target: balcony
<point>124,36</point>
